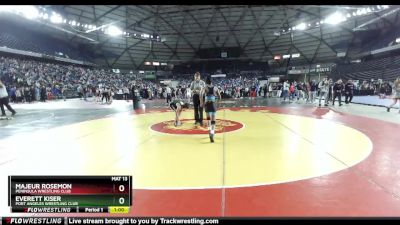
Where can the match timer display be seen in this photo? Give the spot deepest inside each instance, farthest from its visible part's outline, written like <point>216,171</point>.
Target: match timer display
<point>70,194</point>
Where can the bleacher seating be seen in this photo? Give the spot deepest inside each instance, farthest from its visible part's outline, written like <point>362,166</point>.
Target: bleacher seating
<point>16,37</point>
<point>387,68</point>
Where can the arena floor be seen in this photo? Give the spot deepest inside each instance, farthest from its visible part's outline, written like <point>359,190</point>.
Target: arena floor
<point>270,158</point>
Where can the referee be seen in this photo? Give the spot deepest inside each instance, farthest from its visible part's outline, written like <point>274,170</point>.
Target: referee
<point>196,86</point>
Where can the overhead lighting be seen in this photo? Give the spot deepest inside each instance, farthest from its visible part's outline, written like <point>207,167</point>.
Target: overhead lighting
<point>6,8</point>
<point>73,23</point>
<point>147,63</point>
<point>385,6</point>
<point>145,35</point>
<point>85,26</point>
<point>286,56</point>
<point>348,15</point>
<point>113,31</point>
<point>164,64</point>
<point>29,11</point>
<point>397,40</point>
<point>277,57</point>
<point>358,12</point>
<point>379,7</point>
<point>368,9</point>
<point>45,16</point>
<point>156,63</point>
<point>55,18</point>
<point>65,21</point>
<point>363,11</point>
<point>335,18</point>
<point>296,55</point>
<point>354,14</point>
<point>301,26</point>
<point>90,27</point>
<point>309,24</point>
<point>318,66</point>
<point>317,23</point>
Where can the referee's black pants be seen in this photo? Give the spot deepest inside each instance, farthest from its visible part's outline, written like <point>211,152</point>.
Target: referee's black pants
<point>198,111</point>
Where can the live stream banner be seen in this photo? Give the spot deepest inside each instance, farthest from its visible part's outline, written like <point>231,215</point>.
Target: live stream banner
<point>170,220</point>
<point>70,194</point>
<point>105,221</point>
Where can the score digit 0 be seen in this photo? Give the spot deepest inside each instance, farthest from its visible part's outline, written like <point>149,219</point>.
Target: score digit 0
<point>121,188</point>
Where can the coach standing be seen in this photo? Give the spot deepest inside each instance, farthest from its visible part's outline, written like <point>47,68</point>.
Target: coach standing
<point>196,86</point>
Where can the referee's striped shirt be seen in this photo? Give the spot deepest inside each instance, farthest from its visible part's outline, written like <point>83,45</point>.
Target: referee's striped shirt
<point>196,86</point>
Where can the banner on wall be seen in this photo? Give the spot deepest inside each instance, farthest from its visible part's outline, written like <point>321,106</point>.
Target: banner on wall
<point>313,70</point>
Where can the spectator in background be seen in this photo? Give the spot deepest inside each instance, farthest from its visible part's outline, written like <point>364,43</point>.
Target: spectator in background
<point>292,92</point>
<point>260,89</point>
<point>396,96</point>
<point>348,91</point>
<point>306,88</point>
<point>388,89</point>
<point>43,93</point>
<point>382,91</point>
<point>285,89</point>
<point>270,90</point>
<point>4,100</point>
<point>337,92</point>
<point>323,91</point>
<point>279,90</point>
<point>27,95</point>
<point>313,91</point>
<point>18,94</point>
<point>253,92</point>
<point>12,94</point>
<point>299,91</point>
<point>126,92</point>
<point>330,90</point>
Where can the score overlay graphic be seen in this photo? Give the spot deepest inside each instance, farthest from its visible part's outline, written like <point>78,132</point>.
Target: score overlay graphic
<point>70,194</point>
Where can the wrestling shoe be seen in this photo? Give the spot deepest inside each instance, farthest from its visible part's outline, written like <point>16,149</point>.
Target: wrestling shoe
<point>211,138</point>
